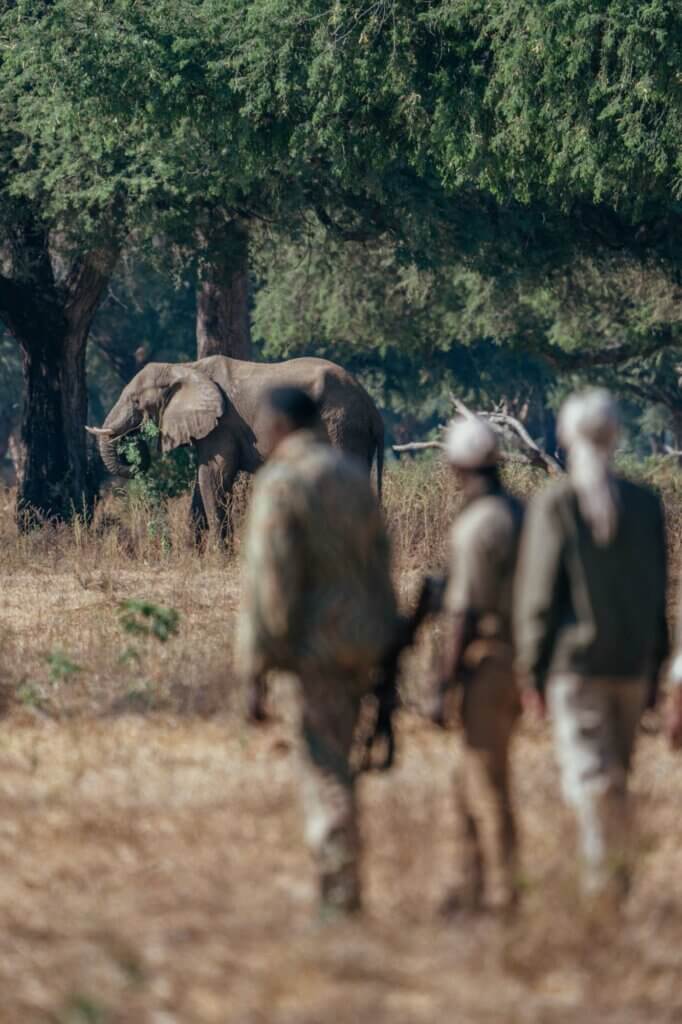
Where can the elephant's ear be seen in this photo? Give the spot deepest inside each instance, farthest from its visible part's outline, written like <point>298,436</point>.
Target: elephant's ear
<point>192,411</point>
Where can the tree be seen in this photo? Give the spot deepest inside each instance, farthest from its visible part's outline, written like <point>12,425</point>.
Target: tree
<point>409,332</point>
<point>47,301</point>
<point>53,272</point>
<point>223,293</point>
<point>420,334</point>
<point>497,137</point>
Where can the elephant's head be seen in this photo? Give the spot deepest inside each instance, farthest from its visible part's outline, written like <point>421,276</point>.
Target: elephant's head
<point>181,400</point>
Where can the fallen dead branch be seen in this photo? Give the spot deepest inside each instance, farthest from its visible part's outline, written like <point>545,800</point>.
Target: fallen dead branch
<point>417,446</point>
<point>505,424</point>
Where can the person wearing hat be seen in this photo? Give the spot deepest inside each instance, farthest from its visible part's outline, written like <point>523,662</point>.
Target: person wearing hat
<point>590,630</point>
<point>478,666</point>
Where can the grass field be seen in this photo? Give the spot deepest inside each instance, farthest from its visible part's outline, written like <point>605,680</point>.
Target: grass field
<point>153,868</point>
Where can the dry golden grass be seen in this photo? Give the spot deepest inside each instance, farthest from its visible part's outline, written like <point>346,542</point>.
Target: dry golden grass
<point>153,864</point>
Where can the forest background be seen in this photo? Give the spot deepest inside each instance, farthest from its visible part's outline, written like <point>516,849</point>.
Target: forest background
<point>468,197</point>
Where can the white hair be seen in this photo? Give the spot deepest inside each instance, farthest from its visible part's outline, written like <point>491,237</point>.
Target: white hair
<point>588,428</point>
<point>470,443</point>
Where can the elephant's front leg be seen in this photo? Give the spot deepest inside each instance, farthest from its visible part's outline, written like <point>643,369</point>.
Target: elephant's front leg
<point>210,485</point>
<point>214,491</point>
<point>218,462</point>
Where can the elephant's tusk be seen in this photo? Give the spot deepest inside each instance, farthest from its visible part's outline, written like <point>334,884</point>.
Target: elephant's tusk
<point>99,431</point>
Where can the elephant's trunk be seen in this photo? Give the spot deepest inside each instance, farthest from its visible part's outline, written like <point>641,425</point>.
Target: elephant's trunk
<point>114,463</point>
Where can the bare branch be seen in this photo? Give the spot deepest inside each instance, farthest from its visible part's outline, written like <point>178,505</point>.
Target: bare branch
<point>538,455</point>
<point>502,422</point>
<point>535,455</point>
<point>417,446</point>
<point>420,446</point>
<point>461,408</point>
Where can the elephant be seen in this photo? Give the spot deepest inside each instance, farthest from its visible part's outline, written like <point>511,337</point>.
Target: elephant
<point>216,403</point>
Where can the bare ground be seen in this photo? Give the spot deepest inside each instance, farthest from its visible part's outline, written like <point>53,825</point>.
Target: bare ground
<point>153,868</point>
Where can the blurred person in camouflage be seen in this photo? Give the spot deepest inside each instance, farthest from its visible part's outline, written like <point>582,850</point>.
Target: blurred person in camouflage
<point>591,631</point>
<point>317,602</point>
<point>478,665</point>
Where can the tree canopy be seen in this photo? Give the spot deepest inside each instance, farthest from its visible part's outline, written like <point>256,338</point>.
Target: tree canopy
<point>485,192</point>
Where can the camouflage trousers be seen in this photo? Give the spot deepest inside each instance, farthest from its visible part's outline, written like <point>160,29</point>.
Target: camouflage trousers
<point>595,725</point>
<point>487,837</point>
<point>331,706</point>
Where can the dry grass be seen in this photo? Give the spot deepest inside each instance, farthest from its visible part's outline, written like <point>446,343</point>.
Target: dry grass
<point>153,866</point>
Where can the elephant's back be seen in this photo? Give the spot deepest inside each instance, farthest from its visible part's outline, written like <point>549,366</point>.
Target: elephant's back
<point>351,418</point>
<point>315,375</point>
<point>249,382</point>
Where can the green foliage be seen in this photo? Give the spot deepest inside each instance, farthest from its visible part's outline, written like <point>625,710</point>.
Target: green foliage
<point>129,449</point>
<point>569,100</point>
<point>30,695</point>
<point>168,476</point>
<point>143,618</point>
<point>419,334</point>
<point>487,173</point>
<point>61,666</point>
<point>83,1009</point>
<point>662,472</point>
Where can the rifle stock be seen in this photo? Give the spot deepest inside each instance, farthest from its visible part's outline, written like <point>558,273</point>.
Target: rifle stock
<point>385,692</point>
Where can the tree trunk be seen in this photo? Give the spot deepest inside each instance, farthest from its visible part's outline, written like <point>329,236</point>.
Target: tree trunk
<point>223,318</point>
<point>51,322</point>
<point>56,481</point>
<point>46,488</point>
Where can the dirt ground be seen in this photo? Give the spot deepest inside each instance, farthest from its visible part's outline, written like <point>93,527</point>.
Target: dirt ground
<point>153,868</point>
<point>154,871</point>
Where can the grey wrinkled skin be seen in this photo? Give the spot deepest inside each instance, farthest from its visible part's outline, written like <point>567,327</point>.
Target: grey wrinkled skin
<point>216,405</point>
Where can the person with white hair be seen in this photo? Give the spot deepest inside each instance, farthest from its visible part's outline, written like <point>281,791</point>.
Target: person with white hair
<point>478,666</point>
<point>590,630</point>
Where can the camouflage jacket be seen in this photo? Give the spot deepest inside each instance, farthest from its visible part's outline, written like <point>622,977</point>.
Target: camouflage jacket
<point>316,585</point>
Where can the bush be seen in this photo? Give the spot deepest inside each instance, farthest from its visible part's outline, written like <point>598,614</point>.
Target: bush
<point>168,476</point>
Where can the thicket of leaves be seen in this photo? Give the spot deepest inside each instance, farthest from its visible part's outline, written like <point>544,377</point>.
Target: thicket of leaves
<point>482,196</point>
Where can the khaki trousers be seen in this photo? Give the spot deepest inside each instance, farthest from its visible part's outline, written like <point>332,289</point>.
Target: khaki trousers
<point>331,705</point>
<point>487,837</point>
<point>595,726</point>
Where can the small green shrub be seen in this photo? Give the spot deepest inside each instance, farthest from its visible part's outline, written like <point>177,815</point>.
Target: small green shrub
<point>30,695</point>
<point>61,666</point>
<point>82,1009</point>
<point>143,618</point>
<point>168,476</point>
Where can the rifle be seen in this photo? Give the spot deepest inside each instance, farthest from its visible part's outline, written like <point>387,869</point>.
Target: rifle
<point>385,692</point>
